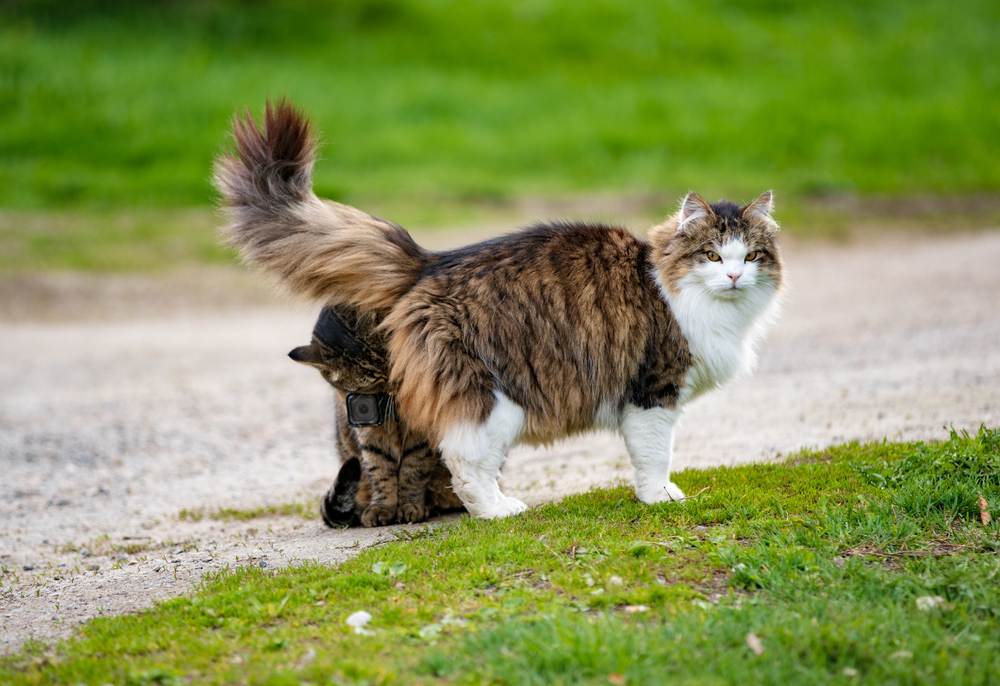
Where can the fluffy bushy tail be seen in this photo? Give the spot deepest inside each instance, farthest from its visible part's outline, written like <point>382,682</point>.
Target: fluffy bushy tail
<point>317,248</point>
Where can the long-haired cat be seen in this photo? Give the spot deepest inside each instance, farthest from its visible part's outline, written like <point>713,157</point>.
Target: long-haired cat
<point>532,336</point>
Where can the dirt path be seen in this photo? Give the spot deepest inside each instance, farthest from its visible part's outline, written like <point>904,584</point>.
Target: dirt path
<point>110,427</point>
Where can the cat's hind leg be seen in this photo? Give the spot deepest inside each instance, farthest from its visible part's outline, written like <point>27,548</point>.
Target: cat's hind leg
<point>649,436</point>
<point>474,453</point>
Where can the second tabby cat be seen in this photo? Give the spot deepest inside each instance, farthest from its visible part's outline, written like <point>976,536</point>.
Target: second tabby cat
<point>388,473</point>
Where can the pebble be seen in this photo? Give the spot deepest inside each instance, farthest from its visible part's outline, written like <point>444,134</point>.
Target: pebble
<point>28,568</point>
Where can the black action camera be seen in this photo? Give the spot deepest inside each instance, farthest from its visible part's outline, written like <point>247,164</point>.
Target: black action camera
<point>365,409</point>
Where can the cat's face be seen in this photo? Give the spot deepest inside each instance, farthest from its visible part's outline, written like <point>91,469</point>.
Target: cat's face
<point>340,370</point>
<point>723,250</point>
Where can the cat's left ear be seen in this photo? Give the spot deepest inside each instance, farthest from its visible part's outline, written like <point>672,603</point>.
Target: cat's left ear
<point>759,211</point>
<point>692,212</point>
<point>306,354</point>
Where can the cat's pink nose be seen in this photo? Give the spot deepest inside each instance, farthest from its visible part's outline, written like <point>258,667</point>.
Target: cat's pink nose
<point>734,277</point>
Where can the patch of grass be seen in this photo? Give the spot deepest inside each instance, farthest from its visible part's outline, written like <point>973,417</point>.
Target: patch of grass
<point>103,545</point>
<point>303,510</point>
<point>845,563</point>
<point>140,240</point>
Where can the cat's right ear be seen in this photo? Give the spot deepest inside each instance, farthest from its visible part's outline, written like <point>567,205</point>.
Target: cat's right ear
<point>693,211</point>
<point>306,354</point>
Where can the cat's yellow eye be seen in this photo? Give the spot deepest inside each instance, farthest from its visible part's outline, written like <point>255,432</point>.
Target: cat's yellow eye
<point>752,255</point>
<point>712,256</point>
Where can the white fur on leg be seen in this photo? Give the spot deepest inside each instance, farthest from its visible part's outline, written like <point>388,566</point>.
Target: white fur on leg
<point>649,436</point>
<point>474,453</point>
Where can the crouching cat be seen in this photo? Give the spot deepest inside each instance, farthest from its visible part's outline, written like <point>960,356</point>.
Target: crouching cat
<point>549,331</point>
<point>388,474</point>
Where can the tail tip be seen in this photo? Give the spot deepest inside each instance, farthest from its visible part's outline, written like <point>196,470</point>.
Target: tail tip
<point>288,133</point>
<point>275,159</point>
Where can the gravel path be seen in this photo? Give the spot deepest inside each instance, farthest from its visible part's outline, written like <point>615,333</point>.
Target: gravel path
<point>111,425</point>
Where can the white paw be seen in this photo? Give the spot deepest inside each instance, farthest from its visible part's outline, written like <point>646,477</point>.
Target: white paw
<point>661,493</point>
<point>505,507</point>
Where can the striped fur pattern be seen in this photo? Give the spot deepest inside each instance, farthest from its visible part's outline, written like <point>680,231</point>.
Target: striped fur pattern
<point>533,336</point>
<point>399,476</point>
<point>388,473</point>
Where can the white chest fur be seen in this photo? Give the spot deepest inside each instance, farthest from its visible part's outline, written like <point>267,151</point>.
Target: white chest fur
<point>721,333</point>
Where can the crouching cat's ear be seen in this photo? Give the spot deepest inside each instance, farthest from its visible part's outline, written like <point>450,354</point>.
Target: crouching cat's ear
<point>759,211</point>
<point>693,211</point>
<point>306,354</point>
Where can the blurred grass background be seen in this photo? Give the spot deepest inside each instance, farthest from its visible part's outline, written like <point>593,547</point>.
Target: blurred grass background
<point>437,112</point>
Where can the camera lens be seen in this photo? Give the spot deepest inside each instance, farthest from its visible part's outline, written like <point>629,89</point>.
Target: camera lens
<point>362,409</point>
<point>365,408</point>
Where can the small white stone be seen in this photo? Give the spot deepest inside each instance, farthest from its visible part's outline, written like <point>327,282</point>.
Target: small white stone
<point>358,620</point>
<point>925,603</point>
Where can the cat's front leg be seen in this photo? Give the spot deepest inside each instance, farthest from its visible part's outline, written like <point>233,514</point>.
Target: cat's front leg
<point>417,465</point>
<point>649,436</point>
<point>381,469</point>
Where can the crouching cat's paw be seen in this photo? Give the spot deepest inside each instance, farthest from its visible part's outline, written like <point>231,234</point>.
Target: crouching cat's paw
<point>378,515</point>
<point>410,513</point>
<point>667,492</point>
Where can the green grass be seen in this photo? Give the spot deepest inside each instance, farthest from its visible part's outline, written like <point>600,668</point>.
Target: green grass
<point>302,510</point>
<point>109,241</point>
<point>447,113</point>
<point>827,560</point>
<point>423,102</point>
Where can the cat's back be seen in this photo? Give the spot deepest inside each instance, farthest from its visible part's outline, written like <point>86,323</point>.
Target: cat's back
<point>557,317</point>
<point>558,276</point>
<point>551,246</point>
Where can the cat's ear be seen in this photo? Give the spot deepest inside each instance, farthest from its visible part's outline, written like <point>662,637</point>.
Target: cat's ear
<point>759,211</point>
<point>306,354</point>
<point>693,211</point>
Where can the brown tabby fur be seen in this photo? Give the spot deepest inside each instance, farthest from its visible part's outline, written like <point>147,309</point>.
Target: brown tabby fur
<point>533,315</point>
<point>271,181</point>
<point>400,477</point>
